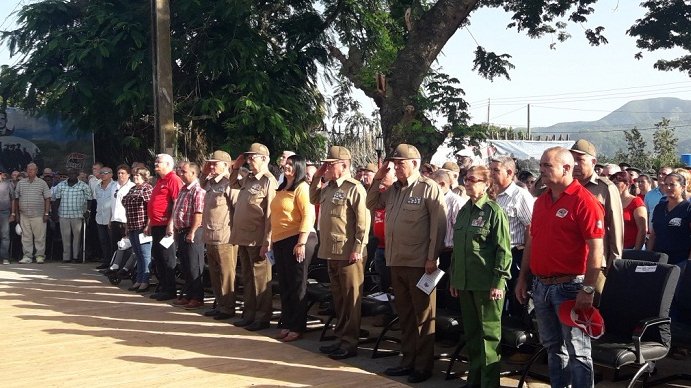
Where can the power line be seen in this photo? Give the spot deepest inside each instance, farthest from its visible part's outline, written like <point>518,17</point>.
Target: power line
<point>598,91</point>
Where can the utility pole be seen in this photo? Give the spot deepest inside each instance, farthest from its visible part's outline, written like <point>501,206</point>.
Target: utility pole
<point>163,77</point>
<point>488,103</point>
<point>528,121</point>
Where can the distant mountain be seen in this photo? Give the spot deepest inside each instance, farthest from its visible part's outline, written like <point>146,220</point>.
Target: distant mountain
<point>607,133</point>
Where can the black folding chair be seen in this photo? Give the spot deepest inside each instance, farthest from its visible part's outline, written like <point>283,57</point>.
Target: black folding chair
<point>635,254</point>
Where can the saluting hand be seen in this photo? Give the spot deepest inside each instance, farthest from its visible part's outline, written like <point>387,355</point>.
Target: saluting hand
<point>320,172</point>
<point>383,170</point>
<point>239,162</point>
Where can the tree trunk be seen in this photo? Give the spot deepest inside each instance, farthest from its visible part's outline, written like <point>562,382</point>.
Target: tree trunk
<point>427,36</point>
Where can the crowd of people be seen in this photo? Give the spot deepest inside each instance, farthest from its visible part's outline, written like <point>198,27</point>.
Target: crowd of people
<point>500,235</point>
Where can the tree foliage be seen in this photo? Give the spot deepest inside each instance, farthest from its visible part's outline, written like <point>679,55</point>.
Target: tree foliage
<point>666,25</point>
<point>243,71</point>
<point>665,145</point>
<point>247,70</point>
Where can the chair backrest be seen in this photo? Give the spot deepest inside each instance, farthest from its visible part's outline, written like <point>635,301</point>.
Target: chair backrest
<point>636,254</point>
<point>683,299</point>
<point>637,290</point>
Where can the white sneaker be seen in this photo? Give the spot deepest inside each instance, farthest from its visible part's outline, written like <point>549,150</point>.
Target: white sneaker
<point>40,259</point>
<point>5,262</point>
<point>25,260</point>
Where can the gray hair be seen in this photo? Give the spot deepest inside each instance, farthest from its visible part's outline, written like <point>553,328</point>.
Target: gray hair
<point>506,161</point>
<point>166,158</point>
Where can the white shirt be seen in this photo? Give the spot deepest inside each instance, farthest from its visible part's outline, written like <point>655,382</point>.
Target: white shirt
<point>454,203</point>
<point>118,213</point>
<point>518,206</point>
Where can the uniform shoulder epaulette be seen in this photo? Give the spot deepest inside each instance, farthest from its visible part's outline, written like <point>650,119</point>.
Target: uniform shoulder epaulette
<point>351,180</point>
<point>605,180</point>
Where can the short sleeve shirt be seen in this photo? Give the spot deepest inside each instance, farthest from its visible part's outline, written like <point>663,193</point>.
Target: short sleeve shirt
<point>673,231</point>
<point>160,207</point>
<point>32,196</point>
<point>560,228</point>
<point>73,199</point>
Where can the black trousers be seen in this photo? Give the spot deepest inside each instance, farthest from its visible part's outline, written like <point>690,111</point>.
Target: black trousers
<point>292,281</point>
<point>512,306</point>
<point>164,261</point>
<point>117,232</point>
<point>191,257</point>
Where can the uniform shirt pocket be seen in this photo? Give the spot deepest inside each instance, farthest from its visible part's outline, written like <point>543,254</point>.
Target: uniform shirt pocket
<point>337,243</point>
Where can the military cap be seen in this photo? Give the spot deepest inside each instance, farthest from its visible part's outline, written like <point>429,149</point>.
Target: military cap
<point>405,151</point>
<point>337,153</point>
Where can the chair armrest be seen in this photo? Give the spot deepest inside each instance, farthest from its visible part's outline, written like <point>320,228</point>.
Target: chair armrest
<point>640,329</point>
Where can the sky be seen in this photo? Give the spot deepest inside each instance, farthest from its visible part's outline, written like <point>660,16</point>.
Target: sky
<point>574,82</point>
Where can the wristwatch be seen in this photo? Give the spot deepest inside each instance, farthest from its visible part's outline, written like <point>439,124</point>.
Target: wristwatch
<point>588,290</point>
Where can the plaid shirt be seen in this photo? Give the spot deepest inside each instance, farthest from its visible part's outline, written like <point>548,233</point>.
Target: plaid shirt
<point>135,206</point>
<point>72,199</point>
<point>190,200</point>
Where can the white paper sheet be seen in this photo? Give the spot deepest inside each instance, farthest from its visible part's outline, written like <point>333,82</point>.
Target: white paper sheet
<point>428,282</point>
<point>167,241</point>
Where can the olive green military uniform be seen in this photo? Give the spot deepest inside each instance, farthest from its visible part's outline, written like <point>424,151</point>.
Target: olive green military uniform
<point>217,223</point>
<point>251,231</point>
<point>343,229</point>
<point>481,261</point>
<point>415,228</point>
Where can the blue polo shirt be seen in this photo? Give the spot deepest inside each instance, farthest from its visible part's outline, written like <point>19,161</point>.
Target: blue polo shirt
<point>673,231</point>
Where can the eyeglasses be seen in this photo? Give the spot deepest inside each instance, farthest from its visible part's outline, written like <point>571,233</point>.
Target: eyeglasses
<point>472,180</point>
<point>106,172</point>
<point>670,185</point>
<point>253,156</point>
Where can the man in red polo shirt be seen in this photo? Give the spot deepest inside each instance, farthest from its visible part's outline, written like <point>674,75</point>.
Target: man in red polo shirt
<point>564,253</point>
<point>160,210</point>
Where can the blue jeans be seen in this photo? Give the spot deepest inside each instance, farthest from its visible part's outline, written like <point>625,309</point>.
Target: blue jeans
<point>143,252</point>
<point>4,234</point>
<point>568,348</point>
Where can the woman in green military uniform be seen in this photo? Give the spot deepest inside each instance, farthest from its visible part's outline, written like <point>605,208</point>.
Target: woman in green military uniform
<point>479,270</point>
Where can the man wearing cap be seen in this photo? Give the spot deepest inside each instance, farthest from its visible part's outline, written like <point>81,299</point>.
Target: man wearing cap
<point>367,173</point>
<point>343,230</point>
<point>453,169</point>
<point>584,154</point>
<point>518,206</point>
<point>159,211</point>
<point>185,226</point>
<point>415,231</point>
<point>217,219</point>
<point>252,234</point>
<point>564,251</point>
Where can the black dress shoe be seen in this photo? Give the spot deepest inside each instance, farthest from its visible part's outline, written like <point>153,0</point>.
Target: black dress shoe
<point>103,266</point>
<point>222,316</point>
<point>342,354</point>
<point>134,287</point>
<point>328,349</point>
<point>256,326</point>
<point>419,376</point>
<point>398,371</point>
<point>243,322</point>
<point>211,313</point>
<point>143,290</point>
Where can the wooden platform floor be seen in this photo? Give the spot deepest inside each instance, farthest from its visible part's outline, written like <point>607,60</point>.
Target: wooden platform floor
<point>66,326</point>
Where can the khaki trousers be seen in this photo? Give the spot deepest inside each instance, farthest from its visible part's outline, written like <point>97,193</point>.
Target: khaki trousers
<point>346,289</point>
<point>256,279</point>
<point>222,260</point>
<point>416,311</point>
<point>33,236</point>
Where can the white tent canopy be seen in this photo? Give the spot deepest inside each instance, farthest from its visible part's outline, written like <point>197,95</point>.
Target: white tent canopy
<point>519,149</point>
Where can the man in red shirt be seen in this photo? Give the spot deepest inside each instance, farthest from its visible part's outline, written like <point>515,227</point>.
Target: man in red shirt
<point>160,210</point>
<point>563,252</point>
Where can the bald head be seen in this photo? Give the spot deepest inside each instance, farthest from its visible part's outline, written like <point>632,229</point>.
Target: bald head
<point>556,168</point>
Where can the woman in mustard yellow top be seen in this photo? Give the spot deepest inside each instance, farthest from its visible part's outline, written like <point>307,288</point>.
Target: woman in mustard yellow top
<point>292,221</point>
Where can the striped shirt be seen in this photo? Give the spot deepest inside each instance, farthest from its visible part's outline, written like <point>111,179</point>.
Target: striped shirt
<point>72,199</point>
<point>454,203</point>
<point>190,201</point>
<point>32,196</point>
<point>518,206</point>
<point>135,206</point>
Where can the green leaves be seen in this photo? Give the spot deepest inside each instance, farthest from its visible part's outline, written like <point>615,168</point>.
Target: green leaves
<point>491,65</point>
